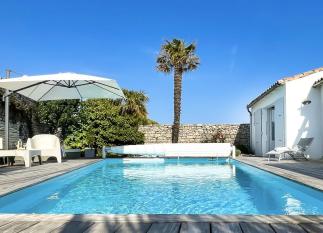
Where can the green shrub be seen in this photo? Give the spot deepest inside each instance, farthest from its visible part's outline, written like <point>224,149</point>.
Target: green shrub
<point>76,140</point>
<point>97,123</point>
<point>57,114</point>
<point>103,125</point>
<point>238,152</point>
<point>243,149</point>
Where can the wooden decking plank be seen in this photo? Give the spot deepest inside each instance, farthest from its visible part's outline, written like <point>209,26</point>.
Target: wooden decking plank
<point>164,228</point>
<point>287,228</point>
<point>195,227</point>
<point>131,227</point>
<point>43,227</point>
<point>254,227</point>
<point>312,227</point>
<point>105,227</point>
<point>225,227</point>
<point>14,227</point>
<point>4,223</point>
<point>73,227</point>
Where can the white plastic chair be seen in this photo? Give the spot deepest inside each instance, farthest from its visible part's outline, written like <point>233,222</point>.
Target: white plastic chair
<point>48,144</point>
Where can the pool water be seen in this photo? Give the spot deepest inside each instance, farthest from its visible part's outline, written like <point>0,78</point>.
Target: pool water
<point>166,186</point>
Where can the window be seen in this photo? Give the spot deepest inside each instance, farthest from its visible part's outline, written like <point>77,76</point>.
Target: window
<point>272,119</point>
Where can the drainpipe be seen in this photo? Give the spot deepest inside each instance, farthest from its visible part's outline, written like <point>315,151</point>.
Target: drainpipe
<point>250,127</point>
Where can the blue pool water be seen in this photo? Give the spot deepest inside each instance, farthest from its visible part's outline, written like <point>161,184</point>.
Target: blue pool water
<point>170,186</point>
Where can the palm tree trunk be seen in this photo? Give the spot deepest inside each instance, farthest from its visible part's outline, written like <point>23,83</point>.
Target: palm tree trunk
<point>177,104</point>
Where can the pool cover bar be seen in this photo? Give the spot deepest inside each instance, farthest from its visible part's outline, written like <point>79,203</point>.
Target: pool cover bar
<point>174,150</point>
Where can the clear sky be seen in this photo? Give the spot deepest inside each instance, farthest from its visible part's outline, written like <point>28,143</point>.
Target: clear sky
<point>244,46</point>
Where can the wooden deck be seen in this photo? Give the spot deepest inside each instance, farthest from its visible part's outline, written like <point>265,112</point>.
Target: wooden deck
<point>306,172</point>
<point>161,223</point>
<point>17,177</point>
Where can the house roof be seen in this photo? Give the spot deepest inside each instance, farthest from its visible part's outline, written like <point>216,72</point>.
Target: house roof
<point>285,80</point>
<point>318,82</point>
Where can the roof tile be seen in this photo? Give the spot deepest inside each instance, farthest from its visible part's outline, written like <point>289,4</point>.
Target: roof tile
<point>283,81</point>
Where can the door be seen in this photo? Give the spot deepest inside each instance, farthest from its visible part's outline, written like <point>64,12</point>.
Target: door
<point>258,132</point>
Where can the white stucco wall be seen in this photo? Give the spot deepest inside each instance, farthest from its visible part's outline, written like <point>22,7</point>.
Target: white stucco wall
<point>304,120</point>
<point>320,88</point>
<point>268,101</point>
<point>298,120</point>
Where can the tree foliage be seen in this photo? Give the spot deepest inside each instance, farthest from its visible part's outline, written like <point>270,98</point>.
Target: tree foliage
<point>176,54</point>
<point>102,125</point>
<point>135,103</point>
<point>97,122</point>
<point>59,114</point>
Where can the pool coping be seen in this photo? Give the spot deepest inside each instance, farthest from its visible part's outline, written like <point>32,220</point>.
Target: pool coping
<point>117,218</point>
<point>290,175</point>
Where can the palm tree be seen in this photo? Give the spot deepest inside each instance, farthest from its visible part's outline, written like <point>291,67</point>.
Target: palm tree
<point>175,56</point>
<point>135,103</point>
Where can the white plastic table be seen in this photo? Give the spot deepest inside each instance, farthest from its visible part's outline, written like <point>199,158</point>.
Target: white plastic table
<point>26,154</point>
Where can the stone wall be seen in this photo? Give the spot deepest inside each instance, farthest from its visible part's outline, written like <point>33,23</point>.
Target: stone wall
<point>237,134</point>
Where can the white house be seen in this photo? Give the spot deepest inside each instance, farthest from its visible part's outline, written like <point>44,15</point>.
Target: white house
<point>290,109</point>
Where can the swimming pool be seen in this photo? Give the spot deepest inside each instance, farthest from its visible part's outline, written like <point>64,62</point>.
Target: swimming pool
<point>166,186</point>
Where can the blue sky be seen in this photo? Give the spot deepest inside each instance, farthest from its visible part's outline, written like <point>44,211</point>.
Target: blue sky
<point>244,46</point>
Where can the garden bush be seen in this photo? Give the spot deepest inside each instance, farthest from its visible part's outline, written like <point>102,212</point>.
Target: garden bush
<point>98,122</point>
<point>238,152</point>
<point>243,149</point>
